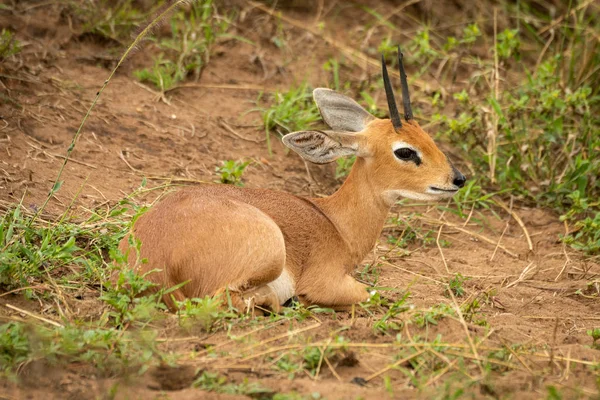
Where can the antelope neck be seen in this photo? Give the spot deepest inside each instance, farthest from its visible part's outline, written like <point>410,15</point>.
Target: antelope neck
<point>358,210</point>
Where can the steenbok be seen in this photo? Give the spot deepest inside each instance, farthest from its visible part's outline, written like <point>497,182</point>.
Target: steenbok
<point>263,247</point>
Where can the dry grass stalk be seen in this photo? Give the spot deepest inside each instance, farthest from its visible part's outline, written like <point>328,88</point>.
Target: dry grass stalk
<point>394,365</point>
<point>437,242</point>
<point>433,221</point>
<point>527,273</point>
<point>466,328</point>
<point>32,315</point>
<point>516,217</point>
<point>493,132</point>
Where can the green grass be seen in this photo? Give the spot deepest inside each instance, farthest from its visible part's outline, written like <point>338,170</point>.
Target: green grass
<point>595,335</point>
<point>456,285</point>
<point>343,166</point>
<point>110,351</point>
<point>287,112</point>
<point>545,121</point>
<point>230,172</point>
<point>187,50</point>
<point>9,45</point>
<point>110,20</point>
<point>214,382</point>
<point>32,253</point>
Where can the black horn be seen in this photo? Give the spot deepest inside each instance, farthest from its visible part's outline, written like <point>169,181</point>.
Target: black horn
<point>389,93</point>
<point>408,115</point>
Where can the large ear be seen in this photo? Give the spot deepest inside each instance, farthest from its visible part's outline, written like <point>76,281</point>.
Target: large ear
<point>323,147</point>
<point>340,112</point>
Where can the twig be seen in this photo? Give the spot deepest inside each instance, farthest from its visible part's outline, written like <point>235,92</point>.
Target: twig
<point>411,272</point>
<point>475,235</point>
<point>122,157</point>
<point>499,240</point>
<point>524,274</point>
<point>518,219</point>
<point>551,360</point>
<point>24,288</point>
<point>257,88</point>
<point>567,258</point>
<point>61,156</point>
<point>493,133</point>
<point>562,17</point>
<point>394,365</point>
<point>333,371</point>
<point>32,315</point>
<point>221,122</point>
<point>283,336</point>
<point>516,356</point>
<point>437,242</point>
<point>466,328</point>
<point>322,350</point>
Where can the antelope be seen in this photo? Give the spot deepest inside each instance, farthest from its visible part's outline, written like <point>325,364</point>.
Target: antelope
<point>263,247</point>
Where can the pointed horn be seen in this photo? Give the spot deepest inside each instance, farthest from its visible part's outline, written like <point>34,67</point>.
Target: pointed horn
<point>389,93</point>
<point>408,115</point>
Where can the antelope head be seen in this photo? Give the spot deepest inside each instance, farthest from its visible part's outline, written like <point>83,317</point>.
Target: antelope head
<point>398,157</point>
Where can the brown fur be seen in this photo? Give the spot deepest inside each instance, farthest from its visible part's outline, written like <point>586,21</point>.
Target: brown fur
<point>221,237</point>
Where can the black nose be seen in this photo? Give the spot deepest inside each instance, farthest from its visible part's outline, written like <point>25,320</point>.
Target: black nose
<point>459,179</point>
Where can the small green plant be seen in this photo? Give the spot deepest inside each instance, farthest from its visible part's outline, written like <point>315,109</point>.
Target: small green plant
<point>279,39</point>
<point>388,48</point>
<point>371,105</point>
<point>462,96</point>
<point>370,273</point>
<point>289,366</point>
<point>553,393</point>
<point>214,382</point>
<point>471,312</point>
<point>508,44</point>
<point>187,50</point>
<point>111,20</point>
<point>343,166</point>
<point>31,252</point>
<point>456,126</point>
<point>421,48</point>
<point>390,322</point>
<point>132,298</point>
<point>291,111</point>
<point>313,356</point>
<point>230,172</point>
<point>585,235</point>
<point>410,234</point>
<point>9,46</point>
<point>595,335</point>
<point>433,315</point>
<point>312,359</point>
<point>14,345</point>
<point>470,34</point>
<point>332,65</point>
<point>456,285</point>
<point>109,350</point>
<point>205,313</point>
<point>164,74</point>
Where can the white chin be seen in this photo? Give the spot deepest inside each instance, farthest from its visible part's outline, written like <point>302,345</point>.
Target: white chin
<point>441,194</point>
<point>429,195</point>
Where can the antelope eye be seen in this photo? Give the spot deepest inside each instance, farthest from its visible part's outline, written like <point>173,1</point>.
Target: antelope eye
<point>405,154</point>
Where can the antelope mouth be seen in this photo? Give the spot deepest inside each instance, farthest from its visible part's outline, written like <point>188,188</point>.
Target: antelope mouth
<point>437,190</point>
